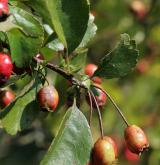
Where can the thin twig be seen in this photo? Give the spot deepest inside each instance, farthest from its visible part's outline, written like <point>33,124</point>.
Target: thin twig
<point>91,107</point>
<point>55,68</point>
<point>115,105</point>
<point>99,114</point>
<point>60,71</point>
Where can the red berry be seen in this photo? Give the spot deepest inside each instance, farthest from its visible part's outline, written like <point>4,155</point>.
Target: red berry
<point>48,98</point>
<point>40,56</point>
<point>4,10</point>
<point>100,96</point>
<point>142,66</point>
<point>131,157</point>
<point>104,151</point>
<point>139,9</point>
<point>6,67</point>
<point>89,70</point>
<point>7,96</point>
<point>136,140</point>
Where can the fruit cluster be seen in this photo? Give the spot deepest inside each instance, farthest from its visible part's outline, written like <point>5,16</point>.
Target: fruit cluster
<point>97,81</point>
<point>105,150</point>
<point>47,96</point>
<point>6,68</point>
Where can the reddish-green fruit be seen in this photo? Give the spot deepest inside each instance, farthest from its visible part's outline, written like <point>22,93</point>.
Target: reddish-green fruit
<point>114,145</point>
<point>142,66</point>
<point>100,96</point>
<point>136,140</point>
<point>104,151</point>
<point>139,9</point>
<point>4,10</point>
<point>7,96</point>
<point>131,157</point>
<point>48,98</point>
<point>6,67</point>
<point>89,70</point>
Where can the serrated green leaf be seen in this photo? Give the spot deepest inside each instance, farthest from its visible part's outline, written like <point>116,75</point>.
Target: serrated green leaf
<point>120,61</point>
<point>73,143</point>
<point>21,112</point>
<point>68,18</point>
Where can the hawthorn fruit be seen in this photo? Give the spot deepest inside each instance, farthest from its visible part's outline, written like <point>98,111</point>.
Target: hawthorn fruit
<point>139,9</point>
<point>130,156</point>
<point>7,96</point>
<point>48,98</point>
<point>6,67</point>
<point>136,139</point>
<point>89,70</point>
<point>40,56</point>
<point>4,10</point>
<point>142,66</point>
<point>99,95</point>
<point>104,151</point>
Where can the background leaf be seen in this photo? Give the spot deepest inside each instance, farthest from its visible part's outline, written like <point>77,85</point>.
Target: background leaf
<point>120,61</point>
<point>73,142</point>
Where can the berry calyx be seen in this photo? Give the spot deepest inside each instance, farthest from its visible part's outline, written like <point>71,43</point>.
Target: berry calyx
<point>130,156</point>
<point>136,139</point>
<point>4,10</point>
<point>7,96</point>
<point>6,67</point>
<point>89,70</point>
<point>48,98</point>
<point>104,151</point>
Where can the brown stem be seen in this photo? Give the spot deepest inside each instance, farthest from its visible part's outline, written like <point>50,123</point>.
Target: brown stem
<point>99,114</point>
<point>91,107</point>
<point>55,68</point>
<point>60,71</point>
<point>114,104</point>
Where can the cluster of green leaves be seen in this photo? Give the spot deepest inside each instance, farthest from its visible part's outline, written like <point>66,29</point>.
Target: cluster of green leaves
<point>52,26</point>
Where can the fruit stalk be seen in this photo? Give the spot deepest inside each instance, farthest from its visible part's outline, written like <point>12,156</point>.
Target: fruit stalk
<point>99,114</point>
<point>115,105</point>
<point>91,107</point>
